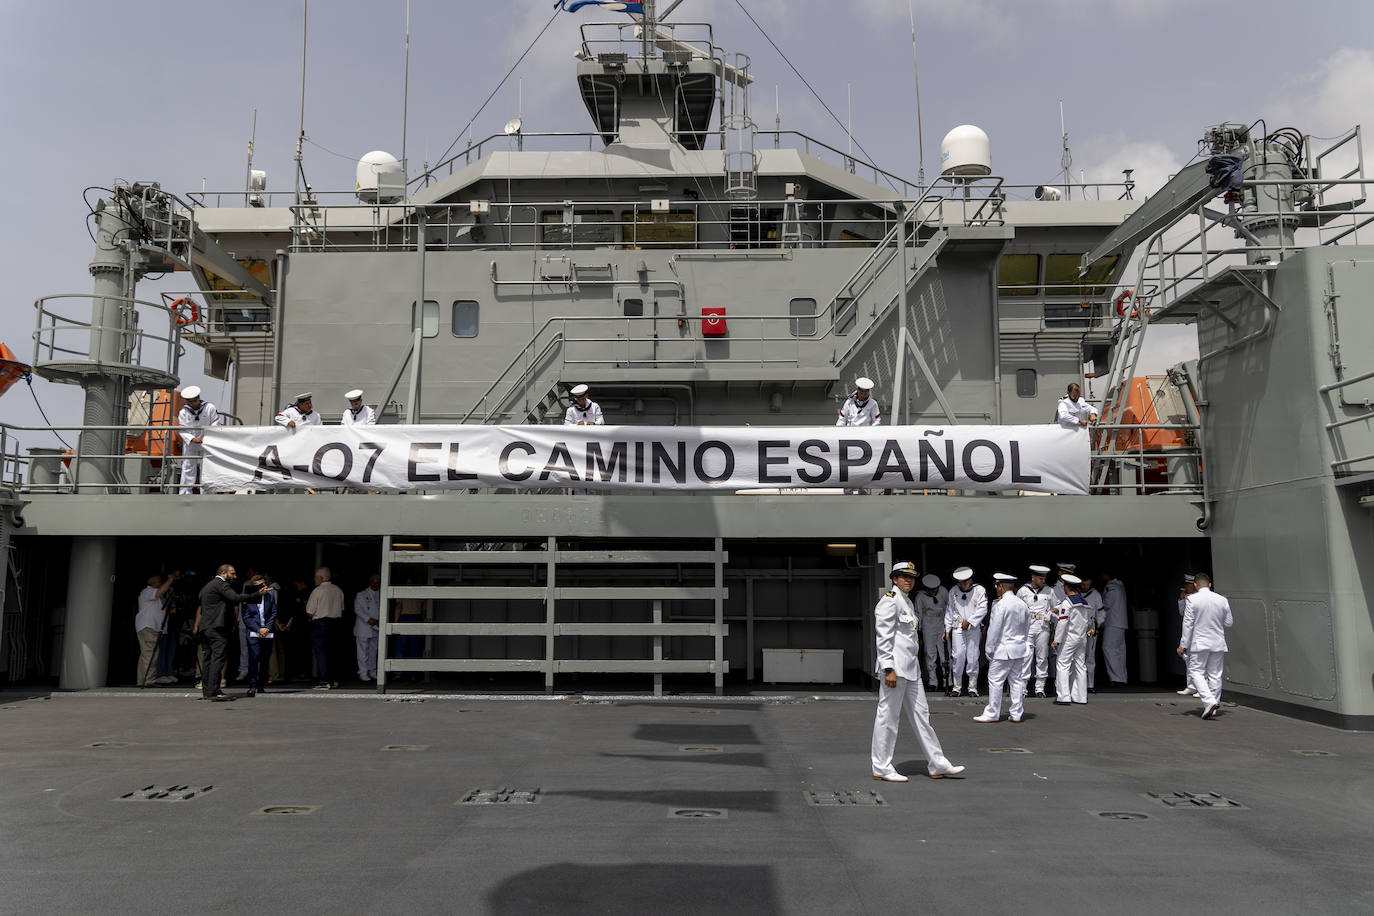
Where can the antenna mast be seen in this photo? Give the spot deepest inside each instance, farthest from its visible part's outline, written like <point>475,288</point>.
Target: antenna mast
<point>1065,160</point>
<point>248,176</point>
<point>920,133</point>
<point>405,94</point>
<point>300,137</point>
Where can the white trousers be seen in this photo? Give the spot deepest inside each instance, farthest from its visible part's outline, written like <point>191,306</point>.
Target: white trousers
<point>1071,677</point>
<point>367,654</point>
<point>1204,675</point>
<point>1114,653</point>
<point>999,670</point>
<point>890,702</point>
<point>1090,658</point>
<point>190,467</point>
<point>1037,658</point>
<point>965,652</point>
<point>937,653</point>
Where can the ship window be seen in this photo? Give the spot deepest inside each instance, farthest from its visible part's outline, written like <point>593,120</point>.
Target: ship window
<point>1018,275</point>
<point>802,317</point>
<point>465,318</point>
<point>634,308</point>
<point>429,318</point>
<point>1061,275</point>
<point>1099,275</point>
<point>588,227</point>
<point>1025,383</point>
<point>674,229</point>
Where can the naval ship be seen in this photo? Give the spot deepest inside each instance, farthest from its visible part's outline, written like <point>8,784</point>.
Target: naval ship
<point>701,272</point>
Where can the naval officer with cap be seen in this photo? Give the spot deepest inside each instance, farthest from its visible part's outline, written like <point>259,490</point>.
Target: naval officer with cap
<point>1071,639</point>
<point>896,625</point>
<point>194,417</point>
<point>1073,411</point>
<point>300,412</point>
<point>1039,598</point>
<point>1206,615</point>
<point>860,409</point>
<point>1008,625</point>
<point>930,607</point>
<point>358,413</point>
<point>583,411</point>
<point>964,614</point>
<point>1058,589</point>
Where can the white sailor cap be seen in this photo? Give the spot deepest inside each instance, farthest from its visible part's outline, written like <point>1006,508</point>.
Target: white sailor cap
<point>190,392</point>
<point>905,568</point>
<point>864,384</point>
<point>1003,577</point>
<point>1189,577</point>
<point>1040,570</point>
<point>579,390</point>
<point>1070,579</point>
<point>963,574</point>
<point>304,396</point>
<point>354,394</point>
<point>930,580</point>
<point>1069,566</point>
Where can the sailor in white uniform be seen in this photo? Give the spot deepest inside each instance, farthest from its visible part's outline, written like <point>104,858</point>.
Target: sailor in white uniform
<point>583,411</point>
<point>1058,589</point>
<point>358,413</point>
<point>1008,626</point>
<point>1206,615</point>
<point>860,409</point>
<point>900,673</point>
<point>300,412</point>
<point>1071,640</point>
<point>930,607</point>
<point>1113,630</point>
<point>193,419</point>
<point>1039,598</point>
<point>1073,411</point>
<point>1093,598</point>
<point>964,613</point>
<point>367,612</point>
<point>1189,588</point>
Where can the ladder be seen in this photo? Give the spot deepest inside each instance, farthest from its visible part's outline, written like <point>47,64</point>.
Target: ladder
<point>1128,340</point>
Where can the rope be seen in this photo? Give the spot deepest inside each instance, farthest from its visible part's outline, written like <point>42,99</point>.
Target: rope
<point>28,379</point>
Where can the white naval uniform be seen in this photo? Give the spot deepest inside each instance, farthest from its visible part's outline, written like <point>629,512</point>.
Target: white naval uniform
<point>1206,615</point>
<point>291,413</point>
<point>1114,631</point>
<point>1042,620</point>
<point>583,416</point>
<point>971,605</point>
<point>1008,627</point>
<point>192,424</point>
<point>854,412</point>
<point>363,416</point>
<point>1071,632</point>
<point>1093,598</point>
<point>895,623</point>
<point>367,606</point>
<point>1068,413</point>
<point>931,610</point>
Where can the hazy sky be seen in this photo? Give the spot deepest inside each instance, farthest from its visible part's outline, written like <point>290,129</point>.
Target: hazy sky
<point>91,92</point>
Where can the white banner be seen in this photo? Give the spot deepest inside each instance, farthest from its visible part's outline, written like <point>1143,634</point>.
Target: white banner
<point>1046,459</point>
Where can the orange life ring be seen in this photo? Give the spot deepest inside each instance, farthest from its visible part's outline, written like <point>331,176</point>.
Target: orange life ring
<point>185,310</point>
<point>1121,304</point>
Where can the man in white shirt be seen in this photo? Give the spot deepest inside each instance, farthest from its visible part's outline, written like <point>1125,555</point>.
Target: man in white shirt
<point>900,673</point>
<point>324,607</point>
<point>1189,588</point>
<point>583,411</point>
<point>367,611</point>
<point>150,623</point>
<point>930,607</point>
<point>1039,598</point>
<point>358,413</point>
<point>193,419</point>
<point>859,409</point>
<point>300,412</point>
<point>964,613</point>
<point>1073,411</point>
<point>1113,629</point>
<point>1008,625</point>
<point>1206,615</point>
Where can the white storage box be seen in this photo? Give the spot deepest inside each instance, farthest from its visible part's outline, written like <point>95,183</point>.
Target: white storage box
<point>803,666</point>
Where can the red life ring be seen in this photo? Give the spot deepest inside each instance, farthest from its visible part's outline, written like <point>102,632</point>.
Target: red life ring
<point>1121,304</point>
<point>185,310</point>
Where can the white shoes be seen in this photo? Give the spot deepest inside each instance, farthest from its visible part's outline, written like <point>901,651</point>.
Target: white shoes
<point>1187,692</point>
<point>893,776</point>
<point>949,770</point>
<point>1015,718</point>
<point>984,718</point>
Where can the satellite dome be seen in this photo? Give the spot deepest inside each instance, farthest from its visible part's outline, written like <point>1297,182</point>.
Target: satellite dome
<point>370,167</point>
<point>965,153</point>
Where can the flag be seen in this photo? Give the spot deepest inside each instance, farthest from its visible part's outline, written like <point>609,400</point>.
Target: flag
<point>610,6</point>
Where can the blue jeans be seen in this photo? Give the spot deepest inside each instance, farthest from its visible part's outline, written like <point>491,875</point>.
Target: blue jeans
<point>259,657</point>
<point>321,635</point>
<point>166,652</point>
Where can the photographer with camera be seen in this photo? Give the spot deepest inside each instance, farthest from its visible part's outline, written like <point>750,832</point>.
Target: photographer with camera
<point>150,623</point>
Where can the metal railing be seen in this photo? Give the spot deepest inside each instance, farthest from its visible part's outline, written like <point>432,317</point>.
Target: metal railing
<point>1132,468</point>
<point>57,468</point>
<point>1342,466</point>
<point>61,339</point>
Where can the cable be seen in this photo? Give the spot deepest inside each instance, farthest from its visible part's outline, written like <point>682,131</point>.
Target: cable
<point>28,379</point>
<point>498,86</point>
<point>330,151</point>
<point>832,114</point>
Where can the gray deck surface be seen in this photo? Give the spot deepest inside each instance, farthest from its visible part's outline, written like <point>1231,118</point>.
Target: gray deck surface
<point>1020,834</point>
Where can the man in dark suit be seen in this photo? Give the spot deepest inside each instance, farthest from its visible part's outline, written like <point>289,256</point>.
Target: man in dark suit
<point>217,600</point>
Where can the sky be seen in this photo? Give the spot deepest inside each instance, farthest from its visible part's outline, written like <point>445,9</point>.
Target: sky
<point>92,92</point>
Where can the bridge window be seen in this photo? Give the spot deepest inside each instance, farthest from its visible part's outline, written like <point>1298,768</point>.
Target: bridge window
<point>464,318</point>
<point>802,317</point>
<point>1061,276</point>
<point>1018,275</point>
<point>588,228</point>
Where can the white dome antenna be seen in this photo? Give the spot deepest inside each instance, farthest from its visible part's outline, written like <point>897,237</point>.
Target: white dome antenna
<point>965,153</point>
<point>380,178</point>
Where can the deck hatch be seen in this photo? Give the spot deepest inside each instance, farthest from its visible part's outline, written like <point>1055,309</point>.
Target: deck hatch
<point>1204,801</point>
<point>175,793</point>
<point>699,813</point>
<point>844,798</point>
<point>501,796</point>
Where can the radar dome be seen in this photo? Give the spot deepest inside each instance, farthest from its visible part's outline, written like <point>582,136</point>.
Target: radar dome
<point>371,186</point>
<point>965,153</point>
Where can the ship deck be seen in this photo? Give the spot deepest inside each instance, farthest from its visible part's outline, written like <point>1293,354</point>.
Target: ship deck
<point>1021,832</point>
